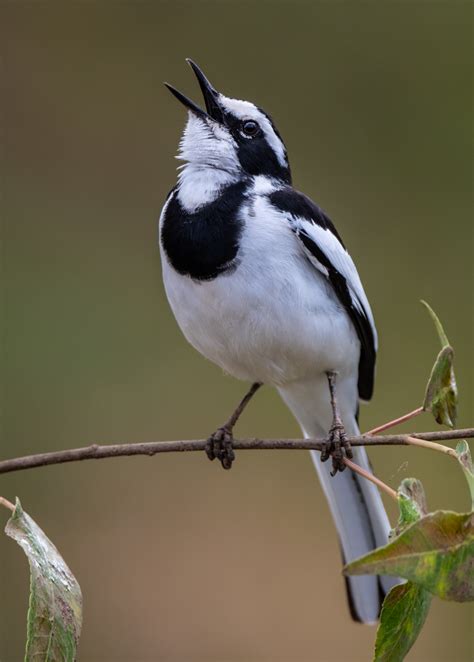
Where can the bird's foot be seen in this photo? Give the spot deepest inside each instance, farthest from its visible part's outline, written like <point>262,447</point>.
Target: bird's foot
<point>336,447</point>
<point>219,445</point>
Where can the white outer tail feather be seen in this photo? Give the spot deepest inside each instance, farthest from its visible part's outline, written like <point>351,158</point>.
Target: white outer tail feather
<point>362,524</point>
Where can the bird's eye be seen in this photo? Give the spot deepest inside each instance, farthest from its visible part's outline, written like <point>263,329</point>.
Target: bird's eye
<point>250,128</point>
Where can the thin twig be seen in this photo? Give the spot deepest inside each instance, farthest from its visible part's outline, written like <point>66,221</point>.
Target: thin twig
<point>431,445</point>
<point>373,479</point>
<point>397,421</point>
<point>7,504</point>
<point>96,452</point>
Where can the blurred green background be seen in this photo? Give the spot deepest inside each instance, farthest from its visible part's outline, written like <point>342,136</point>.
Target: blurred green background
<point>177,559</point>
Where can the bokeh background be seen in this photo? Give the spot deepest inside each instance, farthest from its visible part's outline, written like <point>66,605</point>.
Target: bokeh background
<point>179,560</point>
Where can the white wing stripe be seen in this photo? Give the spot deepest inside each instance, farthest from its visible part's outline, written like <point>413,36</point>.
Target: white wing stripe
<point>340,260</point>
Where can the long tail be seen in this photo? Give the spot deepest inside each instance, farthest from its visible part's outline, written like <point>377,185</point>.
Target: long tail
<point>362,524</point>
<point>355,503</point>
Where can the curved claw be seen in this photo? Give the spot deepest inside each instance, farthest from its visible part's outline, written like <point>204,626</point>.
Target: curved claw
<point>336,448</point>
<point>219,445</point>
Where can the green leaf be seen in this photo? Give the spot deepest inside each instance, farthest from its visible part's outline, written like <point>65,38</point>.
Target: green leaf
<point>436,552</point>
<point>403,614</point>
<point>439,327</point>
<point>406,606</point>
<point>441,397</point>
<point>55,609</point>
<point>464,457</point>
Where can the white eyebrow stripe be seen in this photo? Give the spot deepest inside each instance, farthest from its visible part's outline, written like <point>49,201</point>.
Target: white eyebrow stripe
<point>245,109</point>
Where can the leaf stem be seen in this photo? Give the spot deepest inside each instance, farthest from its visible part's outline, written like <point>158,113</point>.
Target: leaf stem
<point>397,421</point>
<point>373,479</point>
<point>431,445</point>
<point>7,504</point>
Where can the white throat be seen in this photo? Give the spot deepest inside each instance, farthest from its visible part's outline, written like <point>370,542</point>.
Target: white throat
<point>200,184</point>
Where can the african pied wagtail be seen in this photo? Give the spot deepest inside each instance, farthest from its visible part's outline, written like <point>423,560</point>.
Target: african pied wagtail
<point>261,284</point>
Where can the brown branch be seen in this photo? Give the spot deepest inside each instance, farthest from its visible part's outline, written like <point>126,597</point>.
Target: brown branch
<point>96,452</point>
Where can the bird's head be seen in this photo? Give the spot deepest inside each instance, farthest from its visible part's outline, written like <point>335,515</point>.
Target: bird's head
<point>230,135</point>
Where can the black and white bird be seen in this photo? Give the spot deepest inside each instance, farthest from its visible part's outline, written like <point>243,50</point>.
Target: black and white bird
<point>260,283</point>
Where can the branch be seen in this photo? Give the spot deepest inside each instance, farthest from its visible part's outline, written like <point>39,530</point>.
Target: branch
<point>96,452</point>
<point>373,479</point>
<point>7,504</point>
<point>397,421</point>
<point>423,443</point>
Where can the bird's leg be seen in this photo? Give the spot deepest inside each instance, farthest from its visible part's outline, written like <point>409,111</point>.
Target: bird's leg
<point>337,442</point>
<point>219,443</point>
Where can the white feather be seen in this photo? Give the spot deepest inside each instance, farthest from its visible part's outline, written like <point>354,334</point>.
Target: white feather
<point>274,318</point>
<point>199,185</point>
<point>264,185</point>
<point>340,259</point>
<point>211,162</point>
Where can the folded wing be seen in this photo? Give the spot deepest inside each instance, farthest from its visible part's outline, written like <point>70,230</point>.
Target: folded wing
<point>324,248</point>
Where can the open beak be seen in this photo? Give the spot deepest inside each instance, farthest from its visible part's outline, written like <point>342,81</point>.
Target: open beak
<point>209,93</point>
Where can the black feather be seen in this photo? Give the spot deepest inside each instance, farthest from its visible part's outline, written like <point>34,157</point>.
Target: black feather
<point>298,205</point>
<point>256,156</point>
<point>204,244</point>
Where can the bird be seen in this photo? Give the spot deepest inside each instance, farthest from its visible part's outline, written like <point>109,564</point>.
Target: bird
<point>260,283</point>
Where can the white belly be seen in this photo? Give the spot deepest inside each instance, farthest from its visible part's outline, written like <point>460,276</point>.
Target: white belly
<point>274,319</point>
